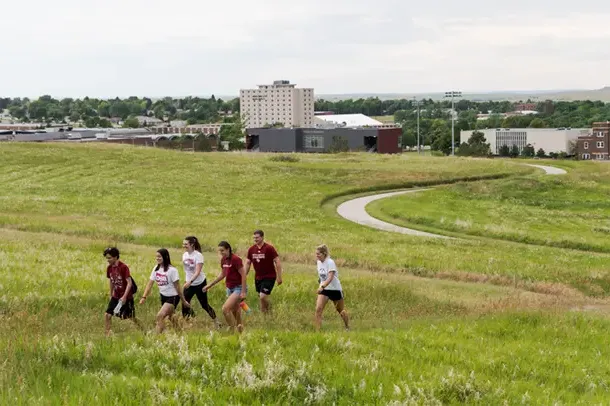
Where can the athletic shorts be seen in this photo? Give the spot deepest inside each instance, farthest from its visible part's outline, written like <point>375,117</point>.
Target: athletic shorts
<point>264,286</point>
<point>236,289</point>
<point>128,310</point>
<point>333,295</point>
<point>175,300</point>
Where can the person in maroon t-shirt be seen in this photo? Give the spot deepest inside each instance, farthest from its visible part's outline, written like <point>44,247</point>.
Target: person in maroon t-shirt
<point>233,271</point>
<point>121,296</point>
<point>267,268</point>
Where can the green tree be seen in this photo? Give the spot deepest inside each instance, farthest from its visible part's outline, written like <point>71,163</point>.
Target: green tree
<point>464,149</point>
<point>514,151</point>
<point>540,153</point>
<point>537,123</point>
<point>528,151</point>
<point>234,133</point>
<point>477,144</point>
<point>131,122</point>
<point>338,144</point>
<point>504,150</point>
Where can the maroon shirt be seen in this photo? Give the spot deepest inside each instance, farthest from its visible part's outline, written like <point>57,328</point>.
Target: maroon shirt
<point>119,276</point>
<point>262,259</point>
<point>231,266</point>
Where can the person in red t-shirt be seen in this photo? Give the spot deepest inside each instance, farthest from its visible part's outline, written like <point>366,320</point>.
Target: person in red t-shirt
<point>233,271</point>
<point>121,296</point>
<point>267,268</point>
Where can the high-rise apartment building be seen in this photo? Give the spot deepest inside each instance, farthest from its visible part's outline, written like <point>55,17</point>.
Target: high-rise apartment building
<point>280,102</point>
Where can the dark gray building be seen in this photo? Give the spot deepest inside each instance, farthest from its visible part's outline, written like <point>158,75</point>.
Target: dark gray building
<point>385,140</point>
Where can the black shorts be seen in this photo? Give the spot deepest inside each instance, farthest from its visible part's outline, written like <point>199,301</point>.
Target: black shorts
<point>128,310</point>
<point>333,295</point>
<point>175,300</point>
<point>264,285</point>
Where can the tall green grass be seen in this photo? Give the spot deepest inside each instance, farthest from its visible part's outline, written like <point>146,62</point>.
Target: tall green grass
<point>413,341</point>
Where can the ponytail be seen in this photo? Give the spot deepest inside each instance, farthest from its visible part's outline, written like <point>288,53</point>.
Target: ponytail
<point>194,242</point>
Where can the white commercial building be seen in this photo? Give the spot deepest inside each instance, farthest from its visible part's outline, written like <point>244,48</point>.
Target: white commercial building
<point>280,102</point>
<point>346,121</point>
<point>549,139</point>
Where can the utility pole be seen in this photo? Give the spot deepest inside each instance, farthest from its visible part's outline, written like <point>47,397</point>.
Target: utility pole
<point>453,94</point>
<point>418,143</point>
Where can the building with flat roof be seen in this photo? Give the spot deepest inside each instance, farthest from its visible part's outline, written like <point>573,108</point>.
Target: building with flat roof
<point>595,144</point>
<point>549,139</point>
<point>280,102</point>
<point>384,141</point>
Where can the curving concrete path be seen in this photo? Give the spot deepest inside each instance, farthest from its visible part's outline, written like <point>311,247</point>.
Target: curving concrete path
<point>355,210</point>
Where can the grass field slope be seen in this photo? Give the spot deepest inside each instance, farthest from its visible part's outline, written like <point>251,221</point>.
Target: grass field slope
<point>472,320</point>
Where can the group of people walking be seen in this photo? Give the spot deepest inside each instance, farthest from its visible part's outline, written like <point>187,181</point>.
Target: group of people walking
<point>267,268</point>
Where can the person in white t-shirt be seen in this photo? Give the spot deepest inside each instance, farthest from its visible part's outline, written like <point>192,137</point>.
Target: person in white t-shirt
<point>330,287</point>
<point>192,259</point>
<point>167,279</point>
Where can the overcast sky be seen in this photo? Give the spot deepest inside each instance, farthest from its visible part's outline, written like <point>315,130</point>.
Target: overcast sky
<point>199,47</point>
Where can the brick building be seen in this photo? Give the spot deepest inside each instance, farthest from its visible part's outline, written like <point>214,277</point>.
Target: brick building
<point>595,145</point>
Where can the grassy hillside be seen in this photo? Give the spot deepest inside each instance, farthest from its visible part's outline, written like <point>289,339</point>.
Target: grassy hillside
<point>570,211</point>
<point>535,333</point>
<point>413,340</point>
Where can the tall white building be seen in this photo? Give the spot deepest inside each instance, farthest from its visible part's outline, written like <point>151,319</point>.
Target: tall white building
<point>280,102</point>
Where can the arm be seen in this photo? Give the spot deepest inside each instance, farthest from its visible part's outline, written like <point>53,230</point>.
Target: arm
<point>244,275</point>
<point>324,285</point>
<point>198,269</point>
<point>127,290</point>
<point>181,294</point>
<point>247,266</point>
<point>278,270</point>
<point>110,283</point>
<point>218,279</point>
<point>146,291</point>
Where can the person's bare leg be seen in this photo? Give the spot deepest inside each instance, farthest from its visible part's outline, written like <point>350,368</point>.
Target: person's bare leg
<point>108,324</point>
<point>237,314</point>
<point>166,310</point>
<point>228,310</point>
<point>340,306</point>
<point>265,303</point>
<point>320,304</point>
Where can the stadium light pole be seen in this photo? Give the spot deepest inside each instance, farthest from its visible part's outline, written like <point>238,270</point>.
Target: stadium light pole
<point>453,94</point>
<point>418,143</point>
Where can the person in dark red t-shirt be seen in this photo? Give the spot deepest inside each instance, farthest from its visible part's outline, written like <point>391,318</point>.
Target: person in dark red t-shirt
<point>267,268</point>
<point>233,271</point>
<point>121,302</point>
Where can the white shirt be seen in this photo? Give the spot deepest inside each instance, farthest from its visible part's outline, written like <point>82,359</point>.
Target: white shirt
<point>190,262</point>
<point>324,268</point>
<point>165,280</point>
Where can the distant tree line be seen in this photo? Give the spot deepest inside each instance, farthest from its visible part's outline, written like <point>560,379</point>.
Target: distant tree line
<point>435,123</point>
<point>99,112</point>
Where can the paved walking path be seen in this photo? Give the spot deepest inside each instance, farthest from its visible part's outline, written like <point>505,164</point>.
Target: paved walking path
<point>355,210</point>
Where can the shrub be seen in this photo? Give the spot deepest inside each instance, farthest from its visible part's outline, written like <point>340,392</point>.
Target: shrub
<point>284,158</point>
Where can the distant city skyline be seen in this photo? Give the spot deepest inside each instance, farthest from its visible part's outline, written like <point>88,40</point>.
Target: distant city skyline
<point>78,48</point>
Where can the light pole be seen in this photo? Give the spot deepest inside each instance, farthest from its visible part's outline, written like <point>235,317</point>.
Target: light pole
<point>453,94</point>
<point>418,143</point>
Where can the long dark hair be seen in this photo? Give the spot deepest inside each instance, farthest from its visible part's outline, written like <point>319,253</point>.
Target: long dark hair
<point>226,246</point>
<point>194,242</point>
<point>167,262</point>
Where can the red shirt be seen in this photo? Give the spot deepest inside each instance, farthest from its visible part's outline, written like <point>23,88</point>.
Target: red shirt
<point>118,275</point>
<point>231,267</point>
<point>262,259</point>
